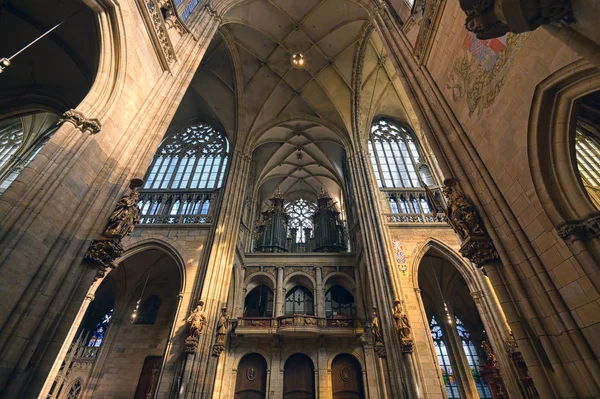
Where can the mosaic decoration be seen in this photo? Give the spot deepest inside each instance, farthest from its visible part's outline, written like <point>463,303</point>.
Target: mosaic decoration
<point>479,72</point>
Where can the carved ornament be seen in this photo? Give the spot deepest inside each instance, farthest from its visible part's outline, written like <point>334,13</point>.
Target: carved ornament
<point>462,216</point>
<point>82,123</point>
<point>104,252</point>
<point>158,30</point>
<point>106,249</point>
<point>580,229</point>
<point>494,18</point>
<point>431,11</point>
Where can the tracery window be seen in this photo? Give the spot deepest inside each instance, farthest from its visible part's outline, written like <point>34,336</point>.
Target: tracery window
<point>473,360</point>
<point>149,310</point>
<point>396,157</point>
<point>75,390</point>
<point>444,359</point>
<point>21,139</point>
<point>339,302</point>
<point>300,213</point>
<point>299,300</point>
<point>100,330</point>
<point>194,159</point>
<point>587,150</point>
<point>259,302</point>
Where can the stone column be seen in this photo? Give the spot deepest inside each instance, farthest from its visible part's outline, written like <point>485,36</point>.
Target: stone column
<point>216,281</point>
<point>378,264</point>
<point>279,292</point>
<point>320,294</point>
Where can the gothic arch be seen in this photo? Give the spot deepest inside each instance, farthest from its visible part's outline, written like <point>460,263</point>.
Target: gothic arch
<point>255,279</point>
<point>238,358</point>
<point>172,249</point>
<point>431,244</point>
<point>353,353</point>
<point>550,134</point>
<point>341,279</point>
<point>300,278</point>
<point>293,351</point>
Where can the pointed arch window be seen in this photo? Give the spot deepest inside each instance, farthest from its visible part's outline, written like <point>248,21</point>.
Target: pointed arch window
<point>444,359</point>
<point>396,157</point>
<point>193,159</point>
<point>473,360</point>
<point>587,150</point>
<point>299,301</point>
<point>75,390</point>
<point>21,139</point>
<point>100,331</point>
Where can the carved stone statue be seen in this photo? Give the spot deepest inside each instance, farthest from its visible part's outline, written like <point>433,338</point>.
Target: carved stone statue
<point>223,323</point>
<point>461,214</point>
<point>197,320</point>
<point>222,326</point>
<point>125,216</point>
<point>401,321</point>
<point>376,328</point>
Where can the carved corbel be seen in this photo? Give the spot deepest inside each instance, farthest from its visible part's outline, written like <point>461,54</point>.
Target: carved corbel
<point>104,250</point>
<point>494,18</point>
<point>477,246</point>
<point>580,229</point>
<point>82,123</point>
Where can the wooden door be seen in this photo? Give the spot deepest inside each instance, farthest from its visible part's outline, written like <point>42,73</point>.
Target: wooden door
<point>346,378</point>
<point>251,381</point>
<point>148,378</point>
<point>299,378</point>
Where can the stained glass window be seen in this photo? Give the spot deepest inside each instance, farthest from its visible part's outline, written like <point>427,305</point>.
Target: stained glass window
<point>473,360</point>
<point>299,300</point>
<point>396,157</point>
<point>75,390</point>
<point>194,159</point>
<point>339,302</point>
<point>300,213</point>
<point>444,359</point>
<point>100,331</point>
<point>588,163</point>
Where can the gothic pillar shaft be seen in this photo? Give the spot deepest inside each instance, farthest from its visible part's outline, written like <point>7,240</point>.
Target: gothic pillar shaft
<point>378,265</point>
<point>279,292</point>
<point>214,287</point>
<point>320,297</point>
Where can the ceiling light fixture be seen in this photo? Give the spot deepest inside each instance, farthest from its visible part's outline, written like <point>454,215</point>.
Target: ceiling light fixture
<point>297,60</point>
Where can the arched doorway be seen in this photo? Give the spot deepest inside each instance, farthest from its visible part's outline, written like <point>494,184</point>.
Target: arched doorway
<point>456,328</point>
<point>346,378</point>
<point>251,381</point>
<point>123,335</point>
<point>299,378</point>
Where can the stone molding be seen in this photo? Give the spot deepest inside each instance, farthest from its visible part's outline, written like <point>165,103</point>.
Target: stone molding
<point>91,125</point>
<point>585,228</point>
<point>155,23</point>
<point>477,246</point>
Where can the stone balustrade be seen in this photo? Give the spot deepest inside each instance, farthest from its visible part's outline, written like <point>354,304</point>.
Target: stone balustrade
<point>174,207</point>
<point>304,324</point>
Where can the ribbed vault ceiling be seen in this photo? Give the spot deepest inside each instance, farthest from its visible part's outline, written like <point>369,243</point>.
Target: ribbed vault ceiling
<point>300,158</point>
<point>247,81</point>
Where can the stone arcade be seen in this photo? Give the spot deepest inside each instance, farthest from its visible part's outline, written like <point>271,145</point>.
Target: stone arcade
<point>299,199</point>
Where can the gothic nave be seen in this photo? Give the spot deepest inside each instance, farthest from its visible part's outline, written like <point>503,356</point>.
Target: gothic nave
<point>279,199</point>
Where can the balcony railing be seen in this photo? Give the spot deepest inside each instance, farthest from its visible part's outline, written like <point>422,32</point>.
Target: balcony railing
<point>413,206</point>
<point>298,323</point>
<point>171,207</point>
